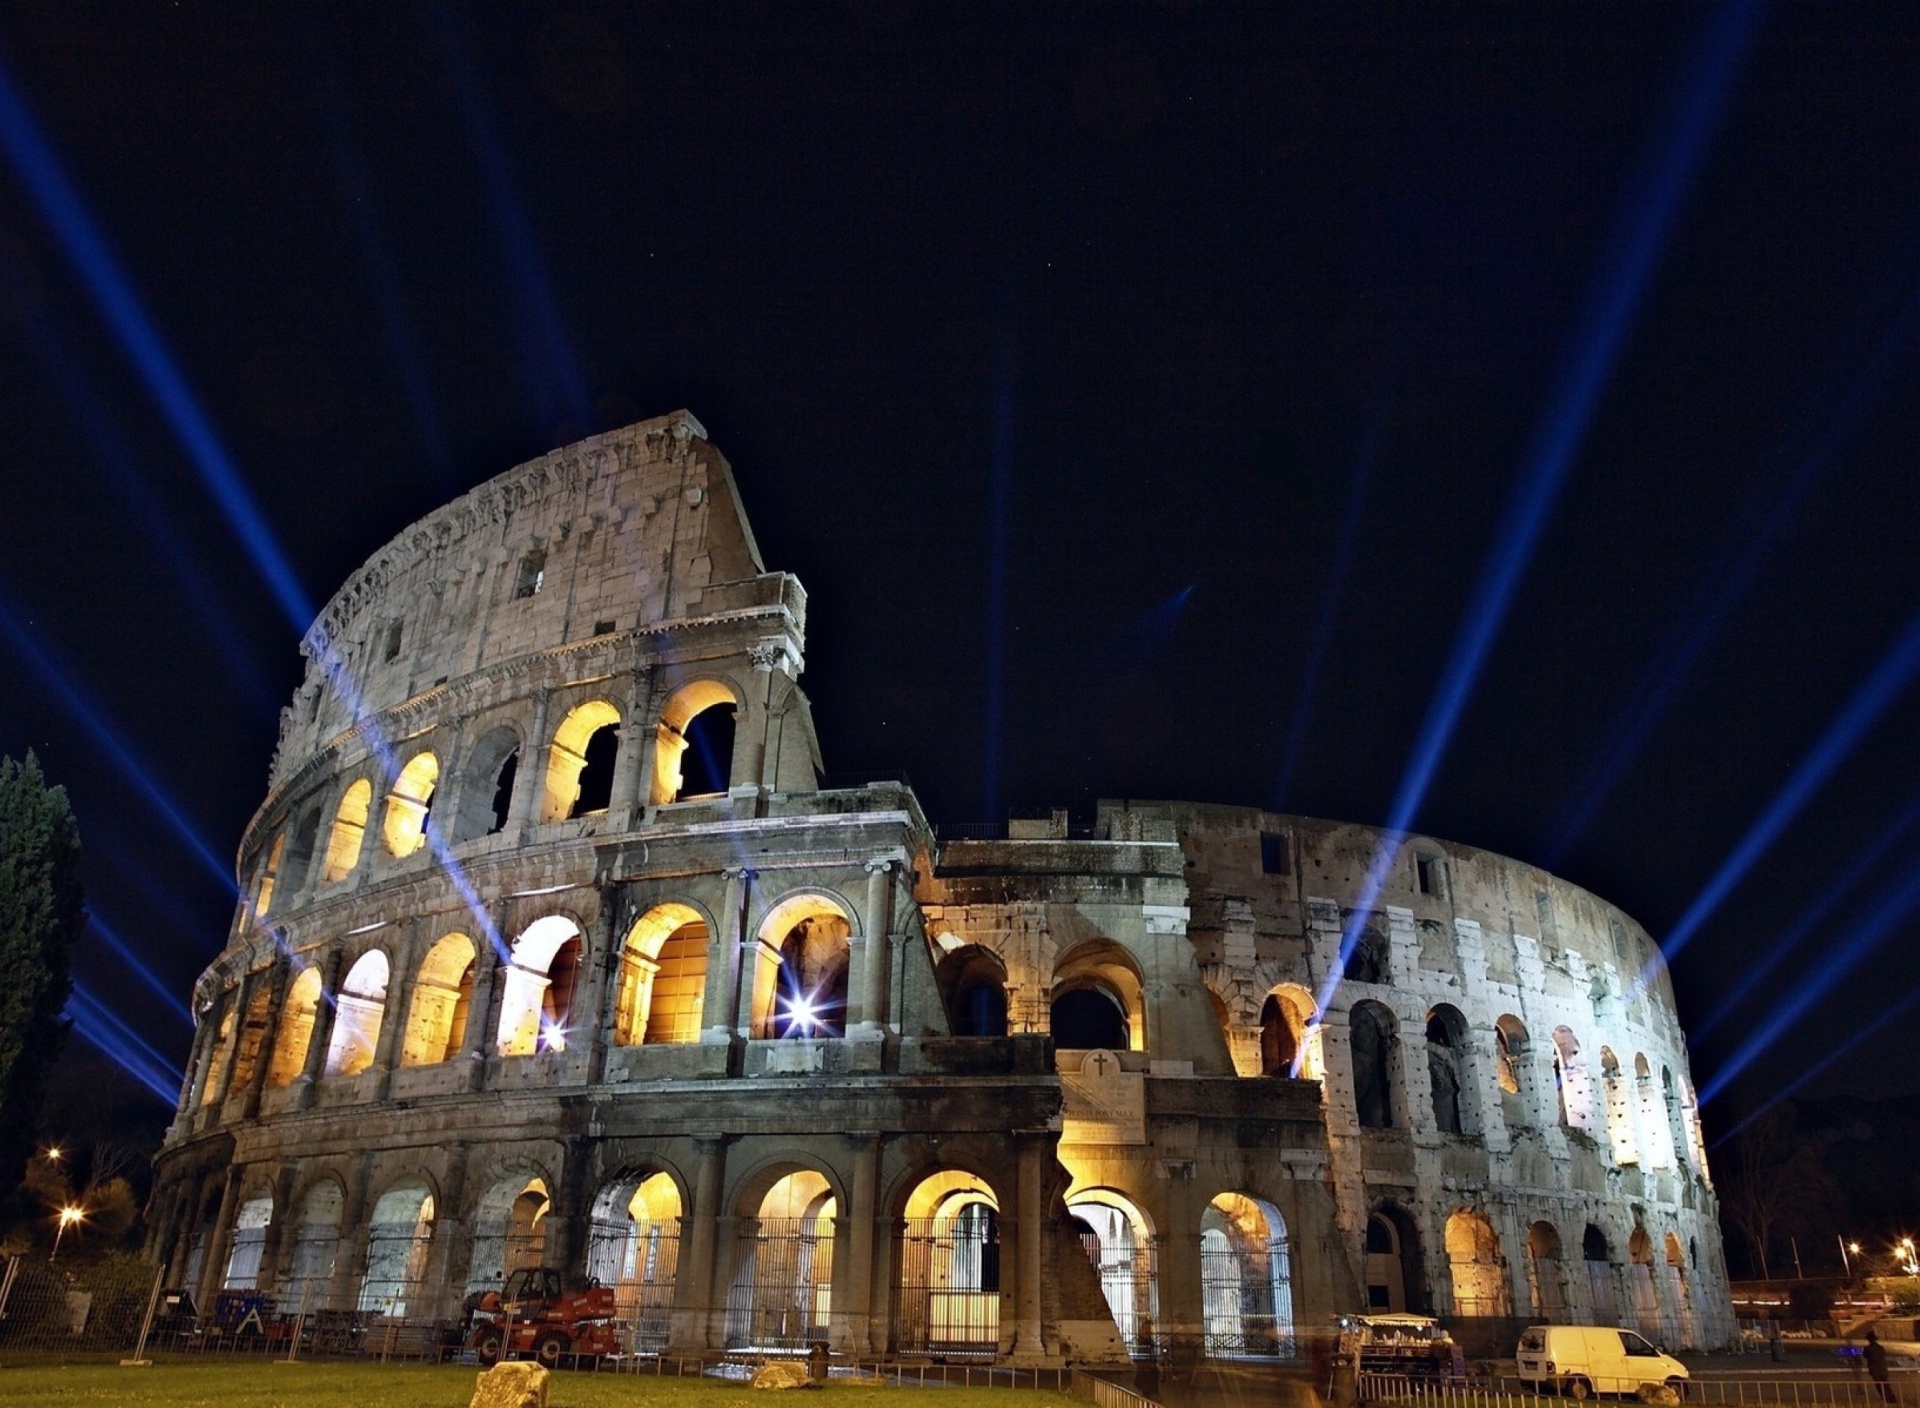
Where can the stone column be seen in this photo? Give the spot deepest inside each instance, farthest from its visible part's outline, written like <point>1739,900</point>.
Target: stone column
<point>871,1017</point>
<point>566,1219</point>
<point>530,777</point>
<point>270,1246</point>
<point>751,751</point>
<point>203,1040</point>
<point>629,769</point>
<point>350,1252</point>
<point>694,1291</point>
<point>394,1014</point>
<point>452,1249</point>
<point>603,953</point>
<point>325,1007</point>
<point>1030,1223</point>
<point>854,1290</point>
<point>280,976</point>
<point>213,1266</point>
<point>482,1014</point>
<point>722,997</point>
<point>242,1005</point>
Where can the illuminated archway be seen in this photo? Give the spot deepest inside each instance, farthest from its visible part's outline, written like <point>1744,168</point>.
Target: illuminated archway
<point>409,805</point>
<point>1546,1283</point>
<point>948,1282</point>
<point>1644,1300</point>
<point>398,1236</point>
<point>442,1003</point>
<point>1118,1241</point>
<point>634,1246</point>
<point>800,969</point>
<point>486,790</point>
<point>1570,1080</point>
<point>1479,1271</point>
<point>297,1014</point>
<point>358,1012</point>
<point>781,1294</point>
<point>1098,1000</point>
<point>509,1230</point>
<point>693,717</point>
<point>249,1241</point>
<point>536,1003</point>
<point>1287,1035</point>
<point>662,979</point>
<point>349,826</point>
<point>1246,1287</point>
<point>580,762</point>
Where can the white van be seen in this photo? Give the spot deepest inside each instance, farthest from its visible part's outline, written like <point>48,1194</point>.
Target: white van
<point>1582,1360</point>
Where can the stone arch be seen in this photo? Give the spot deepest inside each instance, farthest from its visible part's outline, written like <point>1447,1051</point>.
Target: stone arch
<point>298,1012</point>
<point>973,983</point>
<point>1118,1238</point>
<point>359,1009</point>
<point>1546,1274</point>
<point>633,1245</point>
<point>349,827</point>
<point>297,869</point>
<point>250,1036</point>
<point>1643,1299</point>
<point>1098,996</point>
<point>1603,1278</point>
<point>267,873</point>
<point>1511,1055</point>
<point>1374,1043</point>
<point>1619,1107</point>
<point>399,1233</point>
<point>314,1245</point>
<point>486,784</point>
<point>801,967</point>
<point>410,804</point>
<point>1449,1072</point>
<point>1479,1271</point>
<point>1679,1297</point>
<point>580,762</point>
<point>1246,1282</point>
<point>691,717</point>
<point>1286,1019</point>
<point>536,1003</point>
<point>442,1002</point>
<point>663,977</point>
<point>248,1241</point>
<point>1575,1091</point>
<point>780,1295</point>
<point>947,1277</point>
<point>509,1227</point>
<point>1395,1264</point>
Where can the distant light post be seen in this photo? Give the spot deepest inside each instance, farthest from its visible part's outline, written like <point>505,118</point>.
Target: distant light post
<point>1909,1262</point>
<point>68,1216</point>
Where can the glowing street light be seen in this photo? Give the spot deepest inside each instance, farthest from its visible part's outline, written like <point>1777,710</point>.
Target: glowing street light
<point>800,1014</point>
<point>1909,1261</point>
<point>68,1216</point>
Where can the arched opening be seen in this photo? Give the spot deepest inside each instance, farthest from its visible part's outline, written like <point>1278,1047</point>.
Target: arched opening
<point>1246,1287</point>
<point>248,1243</point>
<point>1478,1270</point>
<point>634,1246</point>
<point>398,1236</point>
<point>442,1003</point>
<point>1098,1001</point>
<point>296,871</point>
<point>410,804</point>
<point>486,791</point>
<point>349,826</point>
<point>1640,1293</point>
<point>1280,1033</point>
<point>948,1299</point>
<point>1369,960</point>
<point>663,977</point>
<point>800,969</point>
<point>1619,1099</point>
<point>509,1231</point>
<point>1603,1280</point>
<point>536,1002</point>
<point>580,762</point>
<point>1447,1072</point>
<point>781,1296</point>
<point>1510,1069</point>
<point>251,1037</point>
<point>308,1262</point>
<point>1546,1283</point>
<point>357,1015</point>
<point>1376,1073</point>
<point>1679,1295</point>
<point>974,983</point>
<point>1575,1093</point>
<point>1393,1263</point>
<point>301,1006</point>
<point>693,746</point>
<point>1675,1122</point>
<point>1119,1243</point>
<point>1654,1126</point>
<point>266,877</point>
<point>222,1051</point>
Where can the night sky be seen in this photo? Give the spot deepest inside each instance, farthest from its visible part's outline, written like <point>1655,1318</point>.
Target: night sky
<point>1146,397</point>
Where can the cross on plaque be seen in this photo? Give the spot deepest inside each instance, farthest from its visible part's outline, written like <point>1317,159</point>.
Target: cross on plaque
<point>1100,1063</point>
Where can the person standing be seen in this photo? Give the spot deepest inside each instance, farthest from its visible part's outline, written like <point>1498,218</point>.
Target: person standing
<point>1876,1357</point>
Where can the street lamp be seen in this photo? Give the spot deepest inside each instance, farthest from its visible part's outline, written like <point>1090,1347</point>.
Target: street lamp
<point>1909,1263</point>
<point>68,1216</point>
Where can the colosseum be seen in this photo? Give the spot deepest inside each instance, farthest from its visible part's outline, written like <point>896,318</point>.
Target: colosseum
<point>553,952</point>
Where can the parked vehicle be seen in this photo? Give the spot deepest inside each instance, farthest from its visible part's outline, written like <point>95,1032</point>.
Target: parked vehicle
<point>533,1316</point>
<point>1582,1360</point>
<point>1413,1345</point>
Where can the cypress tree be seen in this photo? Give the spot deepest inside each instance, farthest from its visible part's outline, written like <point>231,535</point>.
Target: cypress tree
<point>42,912</point>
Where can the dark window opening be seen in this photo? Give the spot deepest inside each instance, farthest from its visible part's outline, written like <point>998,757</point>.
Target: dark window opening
<point>531,576</point>
<point>596,775</point>
<point>1372,1044</point>
<point>390,651</point>
<point>1431,874</point>
<point>1444,1073</point>
<point>503,792</point>
<point>556,1004</point>
<point>1619,941</point>
<point>989,1247</point>
<point>1273,854</point>
<point>1593,1245</point>
<point>1087,1019</point>
<point>981,1010</point>
<point>1367,961</point>
<point>707,765</point>
<point>603,628</point>
<point>1380,1237</point>
<point>1278,1046</point>
<point>812,998</point>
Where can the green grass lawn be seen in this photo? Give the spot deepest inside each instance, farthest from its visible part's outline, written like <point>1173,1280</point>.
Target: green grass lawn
<point>271,1384</point>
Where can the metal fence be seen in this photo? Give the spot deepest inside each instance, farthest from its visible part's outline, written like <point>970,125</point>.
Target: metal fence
<point>1825,1389</point>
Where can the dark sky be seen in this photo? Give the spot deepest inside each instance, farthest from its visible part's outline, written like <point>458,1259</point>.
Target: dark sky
<point>1068,309</point>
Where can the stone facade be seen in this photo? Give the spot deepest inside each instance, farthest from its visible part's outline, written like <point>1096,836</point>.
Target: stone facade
<point>552,951</point>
